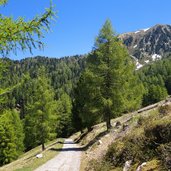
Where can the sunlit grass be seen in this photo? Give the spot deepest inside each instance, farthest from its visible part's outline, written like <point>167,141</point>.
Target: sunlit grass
<point>29,162</point>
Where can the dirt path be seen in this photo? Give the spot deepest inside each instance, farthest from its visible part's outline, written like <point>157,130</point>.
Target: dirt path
<point>67,160</point>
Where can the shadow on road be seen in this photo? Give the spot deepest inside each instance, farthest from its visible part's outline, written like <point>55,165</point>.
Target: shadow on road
<point>82,148</point>
<point>68,149</point>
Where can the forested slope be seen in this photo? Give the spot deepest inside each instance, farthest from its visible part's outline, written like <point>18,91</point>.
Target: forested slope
<point>62,72</point>
<point>58,77</point>
<point>156,78</point>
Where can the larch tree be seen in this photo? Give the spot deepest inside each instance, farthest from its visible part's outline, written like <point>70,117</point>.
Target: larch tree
<point>112,84</point>
<point>8,150</point>
<point>21,35</point>
<point>11,136</point>
<point>86,102</point>
<point>64,117</point>
<point>40,116</point>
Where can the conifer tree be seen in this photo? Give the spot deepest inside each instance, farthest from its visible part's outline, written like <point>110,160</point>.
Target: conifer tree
<point>86,102</point>
<point>110,78</point>
<point>168,84</point>
<point>64,117</point>
<point>19,132</point>
<point>39,121</point>
<point>11,136</point>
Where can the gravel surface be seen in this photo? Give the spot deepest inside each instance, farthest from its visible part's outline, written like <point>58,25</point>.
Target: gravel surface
<point>67,160</point>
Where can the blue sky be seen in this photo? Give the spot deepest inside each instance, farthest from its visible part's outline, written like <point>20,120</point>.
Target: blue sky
<point>79,21</point>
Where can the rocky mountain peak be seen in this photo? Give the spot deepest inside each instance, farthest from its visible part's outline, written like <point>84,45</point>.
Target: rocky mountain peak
<point>148,44</point>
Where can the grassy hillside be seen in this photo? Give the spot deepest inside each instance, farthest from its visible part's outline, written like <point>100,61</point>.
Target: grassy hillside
<point>28,161</point>
<point>140,137</point>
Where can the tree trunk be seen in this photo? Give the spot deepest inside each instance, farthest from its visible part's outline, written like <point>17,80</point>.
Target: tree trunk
<point>89,128</point>
<point>108,123</point>
<point>43,146</point>
<point>107,118</point>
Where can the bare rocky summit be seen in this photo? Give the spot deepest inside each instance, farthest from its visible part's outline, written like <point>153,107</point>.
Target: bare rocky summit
<point>149,44</point>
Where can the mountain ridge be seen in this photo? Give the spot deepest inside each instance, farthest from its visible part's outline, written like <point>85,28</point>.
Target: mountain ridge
<point>148,44</point>
<point>144,45</point>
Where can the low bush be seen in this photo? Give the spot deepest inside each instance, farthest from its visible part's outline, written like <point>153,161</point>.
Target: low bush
<point>99,166</point>
<point>151,140</point>
<point>165,155</point>
<point>165,109</point>
<point>159,131</point>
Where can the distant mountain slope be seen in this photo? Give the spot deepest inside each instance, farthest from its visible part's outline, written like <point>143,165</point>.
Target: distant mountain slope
<point>148,44</point>
<point>63,72</point>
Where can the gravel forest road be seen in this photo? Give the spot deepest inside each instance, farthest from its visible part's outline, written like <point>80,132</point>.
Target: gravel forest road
<point>68,159</point>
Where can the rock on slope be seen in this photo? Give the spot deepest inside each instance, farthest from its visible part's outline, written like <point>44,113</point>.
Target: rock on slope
<point>128,140</point>
<point>149,44</point>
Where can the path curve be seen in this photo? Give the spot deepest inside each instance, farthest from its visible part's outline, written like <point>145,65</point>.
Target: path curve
<point>67,160</point>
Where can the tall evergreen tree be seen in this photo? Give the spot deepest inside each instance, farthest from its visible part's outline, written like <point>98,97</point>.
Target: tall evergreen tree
<point>168,84</point>
<point>110,78</point>
<point>86,102</point>
<point>8,150</point>
<point>11,136</point>
<point>64,117</point>
<point>39,121</point>
<point>19,131</point>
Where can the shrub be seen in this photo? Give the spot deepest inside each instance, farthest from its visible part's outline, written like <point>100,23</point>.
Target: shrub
<point>150,142</point>
<point>140,145</point>
<point>159,131</point>
<point>164,110</point>
<point>95,165</point>
<point>164,151</point>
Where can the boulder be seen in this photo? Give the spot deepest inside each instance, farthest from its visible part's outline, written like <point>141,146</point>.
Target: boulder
<point>39,155</point>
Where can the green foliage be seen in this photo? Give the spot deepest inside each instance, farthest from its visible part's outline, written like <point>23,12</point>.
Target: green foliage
<point>168,84</point>
<point>64,116</point>
<point>132,148</point>
<point>8,147</point>
<point>19,132</point>
<point>85,103</point>
<point>63,74</point>
<point>156,80</point>
<point>3,2</point>
<point>109,85</point>
<point>76,119</point>
<point>114,70</point>
<point>11,133</point>
<point>18,34</point>
<point>3,90</point>
<point>155,94</point>
<point>159,131</point>
<point>40,119</point>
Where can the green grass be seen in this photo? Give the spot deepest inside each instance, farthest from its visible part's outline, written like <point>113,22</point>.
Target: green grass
<point>24,169</point>
<point>29,162</point>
